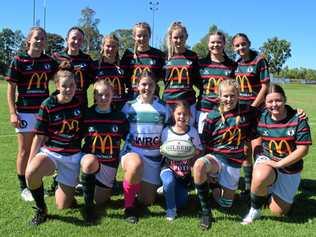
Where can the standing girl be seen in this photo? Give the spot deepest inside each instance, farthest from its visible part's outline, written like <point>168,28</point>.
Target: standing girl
<point>103,130</point>
<point>252,75</point>
<point>181,69</point>
<point>56,145</point>
<point>225,133</point>
<point>285,138</point>
<point>108,69</point>
<point>147,115</point>
<point>142,58</point>
<point>214,68</point>
<point>175,175</point>
<point>28,75</point>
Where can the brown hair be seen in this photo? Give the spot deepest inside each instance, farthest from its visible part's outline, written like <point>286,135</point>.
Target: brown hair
<point>175,25</point>
<point>65,69</point>
<point>275,88</point>
<point>116,40</point>
<point>181,104</point>
<point>30,33</point>
<point>143,25</point>
<point>100,83</point>
<point>242,35</point>
<point>74,28</point>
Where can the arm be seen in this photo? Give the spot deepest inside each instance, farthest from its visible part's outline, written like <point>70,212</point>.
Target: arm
<point>37,143</point>
<point>261,95</point>
<point>14,119</point>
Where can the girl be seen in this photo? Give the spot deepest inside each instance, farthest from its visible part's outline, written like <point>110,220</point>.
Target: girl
<point>225,133</point>
<point>107,68</point>
<point>80,61</point>
<point>142,58</point>
<point>252,75</point>
<point>28,75</point>
<point>181,70</point>
<point>103,130</point>
<point>141,158</point>
<point>56,145</point>
<point>285,137</point>
<point>175,175</point>
<point>214,68</point>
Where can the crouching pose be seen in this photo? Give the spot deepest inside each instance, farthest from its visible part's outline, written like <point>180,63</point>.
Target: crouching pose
<point>103,130</point>
<point>285,138</point>
<point>224,135</point>
<point>141,158</point>
<point>56,144</point>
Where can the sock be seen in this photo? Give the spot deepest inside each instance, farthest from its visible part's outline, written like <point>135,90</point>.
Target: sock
<point>22,182</point>
<point>88,186</point>
<point>248,176</point>
<point>130,191</point>
<point>257,202</point>
<point>202,193</point>
<point>38,195</point>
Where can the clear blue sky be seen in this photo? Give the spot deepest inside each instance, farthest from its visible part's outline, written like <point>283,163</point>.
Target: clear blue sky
<point>291,20</point>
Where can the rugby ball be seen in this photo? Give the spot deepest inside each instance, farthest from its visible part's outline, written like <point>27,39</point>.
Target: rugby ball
<point>178,149</point>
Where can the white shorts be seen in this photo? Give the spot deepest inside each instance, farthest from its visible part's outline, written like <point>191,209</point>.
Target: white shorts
<point>151,172</point>
<point>228,176</point>
<point>68,167</point>
<point>27,122</point>
<point>106,175</point>
<point>285,186</point>
<point>200,120</point>
<point>193,114</point>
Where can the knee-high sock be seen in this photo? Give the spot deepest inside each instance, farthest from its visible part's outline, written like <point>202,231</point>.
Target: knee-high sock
<point>88,187</point>
<point>130,191</point>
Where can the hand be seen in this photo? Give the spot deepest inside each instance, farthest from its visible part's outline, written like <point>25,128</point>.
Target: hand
<point>301,113</point>
<point>14,120</point>
<point>272,163</point>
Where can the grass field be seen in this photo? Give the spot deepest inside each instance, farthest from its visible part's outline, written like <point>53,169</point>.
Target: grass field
<point>15,214</point>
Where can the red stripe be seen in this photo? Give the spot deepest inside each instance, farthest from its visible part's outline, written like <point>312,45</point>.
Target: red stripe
<point>104,121</point>
<point>71,106</point>
<point>278,138</point>
<point>287,125</point>
<point>303,142</point>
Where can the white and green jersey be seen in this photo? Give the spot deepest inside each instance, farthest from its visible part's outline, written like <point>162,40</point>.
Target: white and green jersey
<point>146,123</point>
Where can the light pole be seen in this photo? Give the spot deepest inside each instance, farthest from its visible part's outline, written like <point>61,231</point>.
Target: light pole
<point>153,6</point>
<point>33,12</point>
<point>44,5</point>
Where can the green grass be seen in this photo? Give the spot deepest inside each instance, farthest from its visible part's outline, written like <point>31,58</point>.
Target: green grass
<point>15,214</point>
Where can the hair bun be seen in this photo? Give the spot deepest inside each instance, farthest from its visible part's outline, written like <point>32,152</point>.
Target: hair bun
<point>66,66</point>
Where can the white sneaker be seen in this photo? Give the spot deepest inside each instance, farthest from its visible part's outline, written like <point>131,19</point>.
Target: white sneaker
<point>252,215</point>
<point>171,214</point>
<point>26,195</point>
<point>160,190</point>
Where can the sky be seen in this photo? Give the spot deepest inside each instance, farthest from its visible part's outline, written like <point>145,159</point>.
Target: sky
<point>291,20</point>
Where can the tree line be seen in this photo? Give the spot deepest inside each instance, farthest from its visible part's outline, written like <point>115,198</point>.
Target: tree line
<point>276,50</point>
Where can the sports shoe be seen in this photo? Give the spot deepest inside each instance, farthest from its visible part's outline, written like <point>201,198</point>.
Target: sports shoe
<point>159,190</point>
<point>171,214</point>
<point>79,190</point>
<point>252,215</point>
<point>26,195</point>
<point>206,220</point>
<point>130,215</point>
<point>39,217</point>
<point>89,214</point>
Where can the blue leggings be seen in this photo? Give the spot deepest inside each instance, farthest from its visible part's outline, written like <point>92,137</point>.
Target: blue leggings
<point>175,191</point>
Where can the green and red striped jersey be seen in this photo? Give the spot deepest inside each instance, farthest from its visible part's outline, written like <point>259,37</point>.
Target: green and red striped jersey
<point>61,124</point>
<point>280,138</point>
<point>103,133</point>
<point>31,75</point>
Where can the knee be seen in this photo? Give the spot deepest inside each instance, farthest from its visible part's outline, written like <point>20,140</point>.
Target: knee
<point>167,178</point>
<point>133,164</point>
<point>199,169</point>
<point>89,164</point>
<point>277,211</point>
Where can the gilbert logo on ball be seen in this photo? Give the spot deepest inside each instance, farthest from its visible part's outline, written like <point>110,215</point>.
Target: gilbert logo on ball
<point>178,150</point>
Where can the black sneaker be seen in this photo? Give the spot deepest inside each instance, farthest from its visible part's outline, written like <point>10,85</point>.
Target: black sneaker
<point>39,217</point>
<point>89,215</point>
<point>130,215</point>
<point>245,196</point>
<point>206,220</point>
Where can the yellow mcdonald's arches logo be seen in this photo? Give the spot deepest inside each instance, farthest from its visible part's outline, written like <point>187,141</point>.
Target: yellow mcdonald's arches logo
<point>38,77</point>
<point>138,71</point>
<point>242,81</point>
<point>179,74</point>
<point>70,125</point>
<point>79,73</point>
<point>229,136</point>
<point>278,147</point>
<point>115,82</point>
<point>103,142</point>
<point>215,82</point>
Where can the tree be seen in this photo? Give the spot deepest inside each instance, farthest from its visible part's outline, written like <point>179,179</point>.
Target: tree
<point>89,24</point>
<point>10,43</point>
<point>125,37</point>
<point>55,43</point>
<point>201,48</point>
<point>276,51</point>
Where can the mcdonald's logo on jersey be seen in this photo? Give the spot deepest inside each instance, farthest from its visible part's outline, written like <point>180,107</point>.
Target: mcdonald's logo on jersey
<point>213,82</point>
<point>282,147</point>
<point>179,75</point>
<point>38,78</point>
<point>242,81</point>
<point>231,134</point>
<point>115,82</point>
<point>70,125</point>
<point>103,144</point>
<point>78,73</point>
<point>137,72</point>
